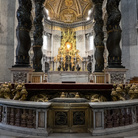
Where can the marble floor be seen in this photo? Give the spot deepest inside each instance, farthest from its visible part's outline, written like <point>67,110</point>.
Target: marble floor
<point>131,134</point>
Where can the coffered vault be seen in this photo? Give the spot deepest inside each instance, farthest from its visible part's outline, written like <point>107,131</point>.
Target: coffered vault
<point>68,11</point>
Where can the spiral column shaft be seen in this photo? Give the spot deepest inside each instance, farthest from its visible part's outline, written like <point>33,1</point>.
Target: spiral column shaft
<point>114,34</point>
<point>22,33</point>
<point>38,32</point>
<point>99,35</point>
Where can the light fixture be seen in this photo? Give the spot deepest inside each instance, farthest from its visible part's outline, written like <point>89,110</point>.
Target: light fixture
<point>48,18</point>
<point>68,46</point>
<point>88,18</point>
<point>47,11</point>
<point>89,12</point>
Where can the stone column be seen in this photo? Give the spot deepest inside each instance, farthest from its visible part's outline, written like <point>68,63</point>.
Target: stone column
<point>114,34</point>
<point>38,40</point>
<point>99,35</point>
<point>22,32</point>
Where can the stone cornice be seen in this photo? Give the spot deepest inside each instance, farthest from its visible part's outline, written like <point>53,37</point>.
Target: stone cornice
<point>68,25</point>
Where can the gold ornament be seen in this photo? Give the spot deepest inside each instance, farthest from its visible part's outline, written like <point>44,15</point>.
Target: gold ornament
<point>77,95</point>
<point>68,3</point>
<point>62,95</point>
<point>67,53</point>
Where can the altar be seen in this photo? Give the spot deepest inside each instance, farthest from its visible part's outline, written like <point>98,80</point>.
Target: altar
<point>67,67</point>
<point>68,76</point>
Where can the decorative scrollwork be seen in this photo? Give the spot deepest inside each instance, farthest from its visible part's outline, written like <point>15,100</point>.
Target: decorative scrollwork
<point>79,118</point>
<point>117,78</point>
<point>60,118</point>
<point>20,77</point>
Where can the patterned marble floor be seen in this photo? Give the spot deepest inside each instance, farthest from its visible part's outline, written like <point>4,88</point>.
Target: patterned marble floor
<point>7,134</point>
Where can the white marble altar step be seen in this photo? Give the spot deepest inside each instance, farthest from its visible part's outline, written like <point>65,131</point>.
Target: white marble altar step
<point>130,134</point>
<point>68,76</point>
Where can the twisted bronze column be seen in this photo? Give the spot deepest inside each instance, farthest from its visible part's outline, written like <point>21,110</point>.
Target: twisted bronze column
<point>99,35</point>
<point>114,34</point>
<point>38,40</point>
<point>22,32</point>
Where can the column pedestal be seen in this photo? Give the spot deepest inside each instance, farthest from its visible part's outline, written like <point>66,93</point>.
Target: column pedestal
<point>37,77</point>
<point>21,75</point>
<point>98,77</point>
<point>115,75</point>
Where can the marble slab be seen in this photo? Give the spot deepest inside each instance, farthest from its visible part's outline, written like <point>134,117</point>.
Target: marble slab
<point>68,76</point>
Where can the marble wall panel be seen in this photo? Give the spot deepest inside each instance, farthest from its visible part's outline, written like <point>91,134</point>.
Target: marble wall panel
<point>129,37</point>
<point>7,20</point>
<point>81,42</point>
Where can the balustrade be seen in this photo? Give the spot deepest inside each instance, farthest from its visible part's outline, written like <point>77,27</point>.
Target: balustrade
<point>114,117</point>
<point>23,116</point>
<point>117,117</point>
<point>105,117</point>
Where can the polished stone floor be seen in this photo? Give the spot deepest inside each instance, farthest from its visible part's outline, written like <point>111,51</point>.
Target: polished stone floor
<point>7,134</point>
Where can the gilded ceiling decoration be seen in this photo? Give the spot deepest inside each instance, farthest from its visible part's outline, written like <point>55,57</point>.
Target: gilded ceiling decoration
<point>68,11</point>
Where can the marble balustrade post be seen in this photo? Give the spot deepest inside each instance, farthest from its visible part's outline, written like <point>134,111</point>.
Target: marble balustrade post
<point>99,35</point>
<point>114,34</point>
<point>38,33</point>
<point>22,33</point>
